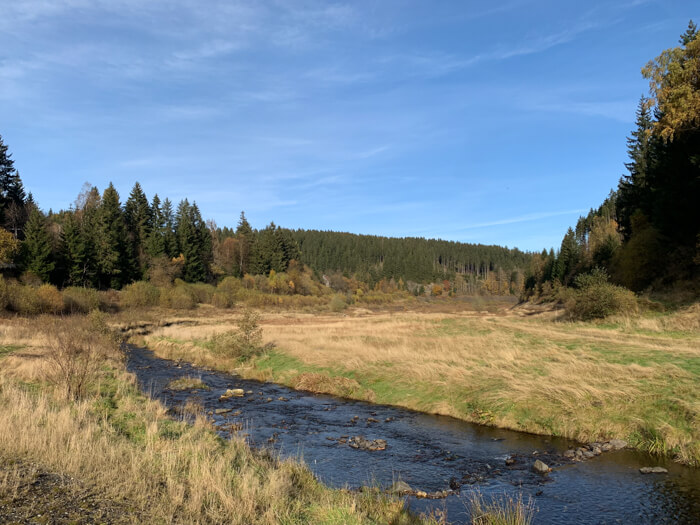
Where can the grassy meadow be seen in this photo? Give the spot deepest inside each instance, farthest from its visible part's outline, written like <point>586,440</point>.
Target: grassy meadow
<point>146,465</point>
<point>634,378</point>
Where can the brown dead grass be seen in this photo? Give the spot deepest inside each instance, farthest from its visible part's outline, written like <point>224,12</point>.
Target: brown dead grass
<point>125,446</point>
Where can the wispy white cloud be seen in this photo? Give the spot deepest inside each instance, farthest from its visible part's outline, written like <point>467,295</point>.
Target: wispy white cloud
<point>522,218</point>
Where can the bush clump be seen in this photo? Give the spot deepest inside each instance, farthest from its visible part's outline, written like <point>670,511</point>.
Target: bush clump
<point>4,294</point>
<point>81,300</point>
<point>596,298</point>
<point>140,294</point>
<point>178,298</point>
<point>50,299</point>
<point>226,293</point>
<point>23,299</point>
<point>241,343</point>
<point>337,303</point>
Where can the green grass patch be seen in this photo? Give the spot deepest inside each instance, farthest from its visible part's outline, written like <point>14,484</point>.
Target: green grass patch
<point>6,350</point>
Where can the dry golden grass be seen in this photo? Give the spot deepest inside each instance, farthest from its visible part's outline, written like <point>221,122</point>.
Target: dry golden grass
<point>634,378</point>
<point>166,471</point>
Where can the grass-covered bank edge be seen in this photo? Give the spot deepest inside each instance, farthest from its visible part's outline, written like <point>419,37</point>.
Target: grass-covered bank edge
<point>607,347</point>
<point>162,469</point>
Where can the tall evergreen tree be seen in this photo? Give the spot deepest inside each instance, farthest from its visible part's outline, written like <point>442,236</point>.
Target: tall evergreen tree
<point>74,252</point>
<point>155,242</point>
<point>245,237</point>
<point>37,254</point>
<point>194,242</point>
<point>138,217</point>
<point>633,190</point>
<point>112,257</point>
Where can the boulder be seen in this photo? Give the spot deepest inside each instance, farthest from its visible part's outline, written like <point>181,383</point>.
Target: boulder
<point>617,444</point>
<point>540,467</point>
<point>360,442</point>
<point>653,470</point>
<point>232,392</point>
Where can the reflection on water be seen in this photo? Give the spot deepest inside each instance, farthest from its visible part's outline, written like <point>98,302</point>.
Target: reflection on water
<point>434,453</point>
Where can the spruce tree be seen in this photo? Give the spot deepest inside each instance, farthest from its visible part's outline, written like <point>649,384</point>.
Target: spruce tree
<point>193,242</point>
<point>36,249</point>
<point>245,237</point>
<point>138,219</point>
<point>74,252</point>
<point>112,258</point>
<point>155,243</point>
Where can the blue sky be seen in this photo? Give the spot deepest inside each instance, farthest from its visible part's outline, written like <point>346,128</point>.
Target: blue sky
<point>486,122</point>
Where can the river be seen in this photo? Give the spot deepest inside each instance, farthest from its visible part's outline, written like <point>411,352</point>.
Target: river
<point>433,453</point>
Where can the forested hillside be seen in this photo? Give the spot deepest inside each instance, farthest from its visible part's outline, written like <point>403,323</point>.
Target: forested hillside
<point>373,258</point>
<point>647,232</point>
<point>101,243</point>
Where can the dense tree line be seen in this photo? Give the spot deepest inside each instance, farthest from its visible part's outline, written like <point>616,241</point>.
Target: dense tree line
<point>372,258</point>
<point>648,231</point>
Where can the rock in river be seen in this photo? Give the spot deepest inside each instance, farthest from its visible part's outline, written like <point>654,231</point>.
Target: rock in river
<point>540,467</point>
<point>232,392</point>
<point>365,444</point>
<point>653,470</point>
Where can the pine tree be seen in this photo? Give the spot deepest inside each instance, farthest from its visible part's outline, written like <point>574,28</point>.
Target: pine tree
<point>155,243</point>
<point>36,249</point>
<point>245,237</point>
<point>11,188</point>
<point>193,241</point>
<point>138,217</point>
<point>74,252</point>
<point>112,258</point>
<point>633,191</point>
<point>170,238</point>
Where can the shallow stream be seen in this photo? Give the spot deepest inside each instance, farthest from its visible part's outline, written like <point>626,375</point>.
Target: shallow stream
<point>433,453</point>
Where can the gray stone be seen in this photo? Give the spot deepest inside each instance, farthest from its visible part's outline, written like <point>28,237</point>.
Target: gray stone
<point>653,470</point>
<point>570,453</point>
<point>360,442</point>
<point>617,444</point>
<point>232,392</point>
<point>540,467</point>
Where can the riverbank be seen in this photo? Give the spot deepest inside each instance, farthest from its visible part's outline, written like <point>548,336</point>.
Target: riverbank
<point>634,379</point>
<point>119,452</point>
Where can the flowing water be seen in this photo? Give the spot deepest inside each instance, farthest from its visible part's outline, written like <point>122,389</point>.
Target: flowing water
<point>433,453</point>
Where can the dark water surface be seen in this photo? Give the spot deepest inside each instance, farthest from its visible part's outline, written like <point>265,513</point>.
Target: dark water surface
<point>428,452</point>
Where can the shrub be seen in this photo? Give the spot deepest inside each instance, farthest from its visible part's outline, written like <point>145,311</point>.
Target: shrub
<point>178,298</point>
<point>599,300</point>
<point>337,303</point>
<point>243,342</point>
<point>81,300</point>
<point>50,299</point>
<point>226,293</point>
<point>4,294</point>
<point>77,349</point>
<point>139,294</point>
<point>23,299</point>
<point>201,292</point>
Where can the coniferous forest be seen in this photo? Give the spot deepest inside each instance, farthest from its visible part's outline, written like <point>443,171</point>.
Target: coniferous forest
<point>647,232</point>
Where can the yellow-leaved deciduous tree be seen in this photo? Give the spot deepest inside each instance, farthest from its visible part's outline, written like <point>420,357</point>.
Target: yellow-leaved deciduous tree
<point>9,246</point>
<point>603,240</point>
<point>674,83</point>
